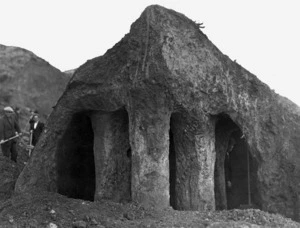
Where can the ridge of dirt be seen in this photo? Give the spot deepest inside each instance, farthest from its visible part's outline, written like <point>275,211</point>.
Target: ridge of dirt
<point>45,209</point>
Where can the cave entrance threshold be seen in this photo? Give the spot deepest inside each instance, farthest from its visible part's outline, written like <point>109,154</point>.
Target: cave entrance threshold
<point>75,160</point>
<point>94,157</point>
<point>235,168</point>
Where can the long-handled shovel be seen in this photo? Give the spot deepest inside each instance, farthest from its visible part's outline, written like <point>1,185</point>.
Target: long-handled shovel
<point>6,140</point>
<point>30,143</point>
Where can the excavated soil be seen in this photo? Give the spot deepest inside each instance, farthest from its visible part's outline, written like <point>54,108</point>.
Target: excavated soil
<point>45,209</point>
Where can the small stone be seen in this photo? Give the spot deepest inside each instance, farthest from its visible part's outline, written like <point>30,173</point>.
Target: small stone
<point>52,225</point>
<point>94,222</point>
<point>129,215</point>
<point>72,212</point>
<point>79,224</point>
<point>146,224</point>
<point>10,218</point>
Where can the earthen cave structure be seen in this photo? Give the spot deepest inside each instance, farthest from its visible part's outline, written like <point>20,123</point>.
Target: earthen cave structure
<point>163,119</point>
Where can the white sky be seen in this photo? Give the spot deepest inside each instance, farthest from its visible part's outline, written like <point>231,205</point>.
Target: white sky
<point>262,35</point>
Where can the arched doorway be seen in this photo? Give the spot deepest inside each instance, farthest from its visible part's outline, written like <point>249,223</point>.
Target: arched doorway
<point>75,159</point>
<point>235,168</point>
<point>94,157</point>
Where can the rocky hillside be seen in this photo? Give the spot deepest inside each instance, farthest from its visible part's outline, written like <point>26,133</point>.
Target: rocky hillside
<point>70,73</point>
<point>29,82</point>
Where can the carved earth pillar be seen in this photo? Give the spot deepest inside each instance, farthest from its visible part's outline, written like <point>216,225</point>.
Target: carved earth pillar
<point>205,147</point>
<point>194,145</point>
<point>149,136</point>
<point>220,183</point>
<point>112,165</point>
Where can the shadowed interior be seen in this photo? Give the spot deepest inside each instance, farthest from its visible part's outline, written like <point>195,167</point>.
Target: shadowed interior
<point>75,160</point>
<point>235,168</point>
<point>94,157</point>
<point>236,171</point>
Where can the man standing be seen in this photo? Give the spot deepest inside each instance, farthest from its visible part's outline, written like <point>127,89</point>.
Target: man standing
<point>9,127</point>
<point>36,126</point>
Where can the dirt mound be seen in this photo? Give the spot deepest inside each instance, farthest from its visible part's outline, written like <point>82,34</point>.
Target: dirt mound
<point>40,209</point>
<point>9,171</point>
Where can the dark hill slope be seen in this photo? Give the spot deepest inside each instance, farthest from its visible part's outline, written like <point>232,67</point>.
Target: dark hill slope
<point>27,81</point>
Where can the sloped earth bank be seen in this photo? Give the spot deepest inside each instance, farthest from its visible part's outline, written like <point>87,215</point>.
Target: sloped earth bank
<point>44,209</point>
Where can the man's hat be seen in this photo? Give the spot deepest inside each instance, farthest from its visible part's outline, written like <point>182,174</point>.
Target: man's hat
<point>8,109</point>
<point>35,113</point>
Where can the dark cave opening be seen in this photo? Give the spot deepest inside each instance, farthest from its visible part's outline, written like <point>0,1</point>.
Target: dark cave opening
<point>236,171</point>
<point>235,168</point>
<point>75,159</point>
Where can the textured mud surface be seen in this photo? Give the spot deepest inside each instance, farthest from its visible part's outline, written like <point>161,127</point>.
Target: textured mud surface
<point>44,209</point>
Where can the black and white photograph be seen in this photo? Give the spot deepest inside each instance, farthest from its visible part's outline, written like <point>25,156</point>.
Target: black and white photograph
<point>149,114</point>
